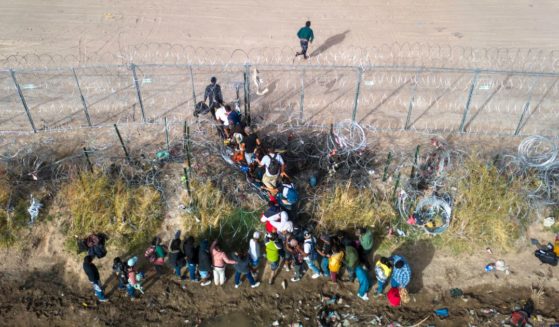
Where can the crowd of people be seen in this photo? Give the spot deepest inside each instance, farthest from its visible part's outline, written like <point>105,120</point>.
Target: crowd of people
<point>281,247</point>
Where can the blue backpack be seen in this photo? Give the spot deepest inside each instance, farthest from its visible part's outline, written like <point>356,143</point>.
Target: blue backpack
<point>292,196</point>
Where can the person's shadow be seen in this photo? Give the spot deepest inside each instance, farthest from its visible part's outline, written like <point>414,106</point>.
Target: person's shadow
<point>419,255</point>
<point>330,42</point>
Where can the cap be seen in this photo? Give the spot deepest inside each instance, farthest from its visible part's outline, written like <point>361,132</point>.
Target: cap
<point>293,242</point>
<point>132,261</point>
<point>256,235</point>
<point>306,234</point>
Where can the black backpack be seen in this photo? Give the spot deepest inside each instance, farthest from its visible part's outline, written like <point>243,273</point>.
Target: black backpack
<point>274,166</point>
<point>547,256</point>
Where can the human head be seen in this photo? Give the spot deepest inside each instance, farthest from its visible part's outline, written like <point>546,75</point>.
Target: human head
<point>361,230</point>
<point>132,261</point>
<point>189,239</point>
<point>272,236</point>
<point>335,248</point>
<point>88,259</point>
<point>399,264</point>
<point>307,234</point>
<point>271,150</point>
<point>117,260</point>
<point>293,242</point>
<point>227,108</point>
<point>248,130</point>
<point>213,80</point>
<point>308,23</point>
<point>385,261</point>
<point>156,241</point>
<point>256,235</point>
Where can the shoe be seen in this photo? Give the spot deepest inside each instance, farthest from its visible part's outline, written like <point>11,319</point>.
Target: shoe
<point>315,276</point>
<point>183,287</point>
<point>195,280</point>
<point>103,300</point>
<point>132,299</point>
<point>237,285</point>
<point>295,279</point>
<point>287,269</point>
<point>206,283</point>
<point>364,297</point>
<point>255,285</point>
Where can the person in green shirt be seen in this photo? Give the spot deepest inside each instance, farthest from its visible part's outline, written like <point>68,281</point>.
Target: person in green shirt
<point>366,243</point>
<point>273,246</point>
<point>305,36</point>
<point>351,259</point>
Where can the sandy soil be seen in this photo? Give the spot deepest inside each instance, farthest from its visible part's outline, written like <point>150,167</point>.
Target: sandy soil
<point>70,27</point>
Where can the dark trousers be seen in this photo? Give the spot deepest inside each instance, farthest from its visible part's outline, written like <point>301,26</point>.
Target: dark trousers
<point>304,47</point>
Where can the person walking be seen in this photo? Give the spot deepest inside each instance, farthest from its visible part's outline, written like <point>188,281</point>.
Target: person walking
<point>383,271</point>
<point>191,255</point>
<point>156,255</point>
<point>249,144</point>
<point>274,166</point>
<point>204,263</point>
<point>325,250</point>
<point>176,257</point>
<point>213,93</point>
<point>364,284</point>
<point>309,247</point>
<point>298,257</point>
<point>273,247</point>
<point>366,242</point>
<point>134,278</point>
<point>401,274</point>
<point>242,268</point>
<point>335,262</point>
<point>305,36</point>
<point>351,259</point>
<point>254,252</point>
<point>219,260</point>
<point>93,275</point>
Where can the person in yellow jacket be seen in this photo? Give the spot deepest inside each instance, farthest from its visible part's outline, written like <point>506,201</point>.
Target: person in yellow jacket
<point>335,262</point>
<point>383,270</point>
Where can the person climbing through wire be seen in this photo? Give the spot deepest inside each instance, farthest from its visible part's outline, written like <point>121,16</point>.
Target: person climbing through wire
<point>213,93</point>
<point>305,36</point>
<point>274,166</point>
<point>288,195</point>
<point>249,144</point>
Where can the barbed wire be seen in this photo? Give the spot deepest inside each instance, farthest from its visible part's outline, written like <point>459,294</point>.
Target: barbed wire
<point>404,54</point>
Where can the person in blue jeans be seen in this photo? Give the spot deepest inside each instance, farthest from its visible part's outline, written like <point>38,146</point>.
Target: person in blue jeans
<point>309,247</point>
<point>175,257</point>
<point>364,283</point>
<point>242,268</point>
<point>93,275</point>
<point>324,248</point>
<point>191,254</point>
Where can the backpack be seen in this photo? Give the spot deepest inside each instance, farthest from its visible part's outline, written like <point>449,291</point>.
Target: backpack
<point>519,319</point>
<point>547,256</point>
<point>150,254</point>
<point>313,255</point>
<point>274,166</point>
<point>292,196</point>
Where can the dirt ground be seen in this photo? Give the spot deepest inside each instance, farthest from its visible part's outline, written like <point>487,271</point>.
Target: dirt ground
<point>68,27</point>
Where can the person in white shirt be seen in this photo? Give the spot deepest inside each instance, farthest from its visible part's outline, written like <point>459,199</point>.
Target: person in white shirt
<point>274,166</point>
<point>221,117</point>
<point>254,251</point>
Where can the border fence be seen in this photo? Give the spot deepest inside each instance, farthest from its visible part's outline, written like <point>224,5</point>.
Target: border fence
<point>424,99</point>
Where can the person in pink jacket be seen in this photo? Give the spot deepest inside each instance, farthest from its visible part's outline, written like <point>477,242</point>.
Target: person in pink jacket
<point>219,260</point>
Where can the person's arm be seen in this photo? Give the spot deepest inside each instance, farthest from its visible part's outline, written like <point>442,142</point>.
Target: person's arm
<point>206,93</point>
<point>218,95</point>
<point>212,247</point>
<point>312,37</point>
<point>258,141</point>
<point>227,260</point>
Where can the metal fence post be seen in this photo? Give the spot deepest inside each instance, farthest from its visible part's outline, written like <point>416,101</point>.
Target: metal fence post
<point>247,72</point>
<point>410,106</point>
<point>526,107</point>
<point>416,157</point>
<point>167,135</point>
<point>302,104</point>
<point>87,159</point>
<point>193,88</point>
<point>357,89</point>
<point>245,99</point>
<point>122,144</point>
<point>22,98</point>
<point>388,161</point>
<point>138,92</point>
<point>82,97</point>
<point>469,101</point>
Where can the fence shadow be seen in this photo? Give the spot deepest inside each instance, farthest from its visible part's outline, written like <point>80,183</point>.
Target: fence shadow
<point>330,42</point>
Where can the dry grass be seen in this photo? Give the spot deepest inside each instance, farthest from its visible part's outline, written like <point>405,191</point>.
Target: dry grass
<point>213,215</point>
<point>130,216</point>
<point>348,207</point>
<point>490,209</point>
<point>11,221</point>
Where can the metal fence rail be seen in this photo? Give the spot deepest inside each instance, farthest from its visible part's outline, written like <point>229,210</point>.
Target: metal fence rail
<point>379,97</point>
